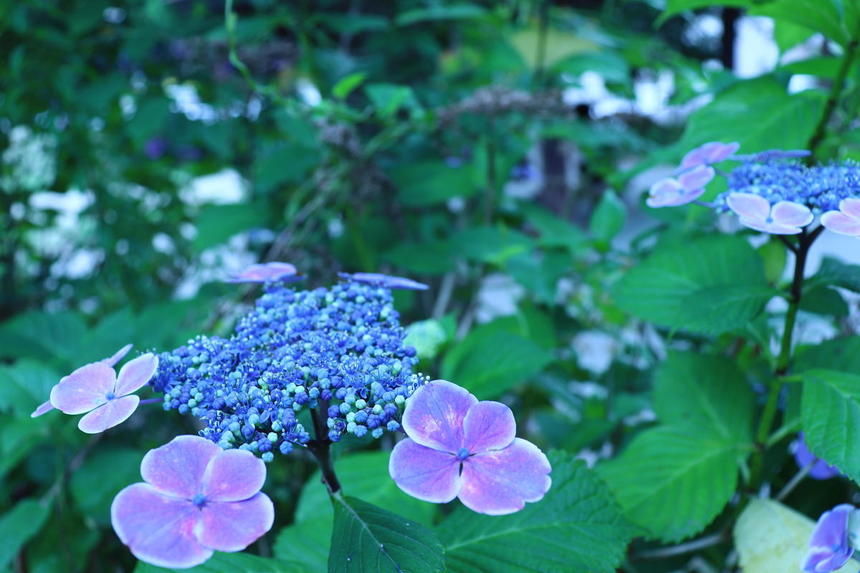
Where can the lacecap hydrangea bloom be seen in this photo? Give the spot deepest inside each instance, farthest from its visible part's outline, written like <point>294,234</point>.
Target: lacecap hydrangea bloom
<point>340,349</point>
<point>195,499</point>
<point>833,540</point>
<point>460,447</point>
<point>772,191</point>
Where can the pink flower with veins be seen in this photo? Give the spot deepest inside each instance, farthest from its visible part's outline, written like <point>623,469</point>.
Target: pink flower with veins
<point>709,153</point>
<point>265,272</point>
<point>460,447</point>
<point>196,499</point>
<point>107,399</point>
<point>845,221</point>
<point>756,212</point>
<point>46,407</point>
<point>686,188</point>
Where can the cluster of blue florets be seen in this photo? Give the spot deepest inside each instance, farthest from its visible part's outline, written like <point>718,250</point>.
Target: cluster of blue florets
<point>338,350</point>
<point>819,187</point>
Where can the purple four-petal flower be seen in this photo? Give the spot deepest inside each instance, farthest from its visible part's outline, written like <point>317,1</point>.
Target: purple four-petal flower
<point>196,499</point>
<point>46,407</point>
<point>266,272</point>
<point>685,188</point>
<point>756,212</point>
<point>460,447</point>
<point>709,153</point>
<point>829,546</point>
<point>107,399</point>
<point>387,281</point>
<point>845,221</point>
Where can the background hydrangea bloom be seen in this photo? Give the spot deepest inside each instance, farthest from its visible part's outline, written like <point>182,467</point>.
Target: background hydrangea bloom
<point>387,281</point>
<point>265,272</point>
<point>460,447</point>
<point>107,399</point>
<point>46,407</point>
<point>196,498</point>
<point>829,547</point>
<point>845,221</point>
<point>820,469</point>
<point>783,218</point>
<point>709,153</point>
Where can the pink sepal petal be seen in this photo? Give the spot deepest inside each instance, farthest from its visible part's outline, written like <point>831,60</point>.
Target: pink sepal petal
<point>136,373</point>
<point>233,475</point>
<point>488,426</point>
<point>177,467</point>
<point>42,408</point>
<point>789,213</point>
<point>83,389</point>
<point>263,272</point>
<point>850,207</point>
<point>712,152</point>
<point>841,223</point>
<point>434,415</point>
<point>753,207</point>
<point>157,529</point>
<point>119,355</point>
<point>772,228</point>
<point>424,473</point>
<point>108,415</point>
<point>696,178</point>
<point>500,482</point>
<point>233,526</point>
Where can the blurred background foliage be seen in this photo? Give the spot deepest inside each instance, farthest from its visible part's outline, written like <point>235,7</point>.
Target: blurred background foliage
<point>496,150</point>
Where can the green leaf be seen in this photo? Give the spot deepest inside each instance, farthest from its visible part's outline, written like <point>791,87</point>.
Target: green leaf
<point>25,385</point>
<point>19,525</point>
<point>217,223</point>
<point>347,84</point>
<point>836,273</point>
<point>713,285</point>
<point>230,563</point>
<point>554,231</point>
<point>462,11</point>
<point>608,218</point>
<point>105,473</point>
<point>388,99</point>
<point>825,301</point>
<point>706,391</point>
<point>490,244</point>
<point>365,475</point>
<point>431,182</point>
<point>673,480</point>
<point>42,335</point>
<point>830,411</point>
<point>427,257</point>
<point>836,354</point>
<point>577,526</point>
<point>370,539</point>
<point>759,114</point>
<point>491,360</point>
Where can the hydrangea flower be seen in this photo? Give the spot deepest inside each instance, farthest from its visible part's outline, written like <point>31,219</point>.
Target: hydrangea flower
<point>46,407</point>
<point>709,153</point>
<point>266,272</point>
<point>107,399</point>
<point>337,351</point>
<point>195,499</point>
<point>830,547</point>
<point>385,281</point>
<point>845,221</point>
<point>686,188</point>
<point>783,218</point>
<point>820,469</point>
<point>460,447</point>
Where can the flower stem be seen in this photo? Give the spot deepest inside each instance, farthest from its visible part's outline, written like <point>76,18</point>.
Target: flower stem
<point>833,98</point>
<point>320,448</point>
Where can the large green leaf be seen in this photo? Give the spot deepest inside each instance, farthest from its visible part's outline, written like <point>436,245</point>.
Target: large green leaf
<point>714,284</point>
<point>836,354</point>
<point>830,410</point>
<point>431,182</point>
<point>707,391</point>
<point>42,335</point>
<point>18,525</point>
<point>230,563</point>
<point>836,273</point>
<point>25,385</point>
<point>369,539</point>
<point>673,480</point>
<point>759,114</point>
<point>577,526</point>
<point>96,483</point>
<point>491,360</point>
<point>608,217</point>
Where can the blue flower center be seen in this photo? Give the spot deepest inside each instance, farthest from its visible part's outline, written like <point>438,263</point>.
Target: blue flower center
<point>110,396</point>
<point>199,500</point>
<point>462,454</point>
